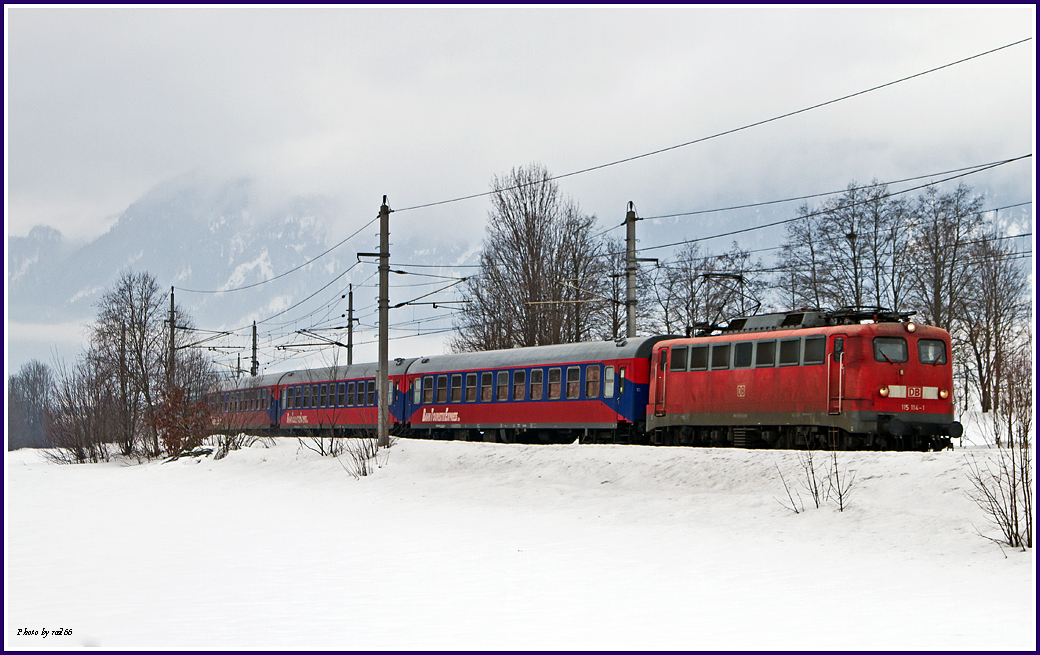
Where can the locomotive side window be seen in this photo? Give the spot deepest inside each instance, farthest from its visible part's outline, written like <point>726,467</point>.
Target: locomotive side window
<point>519,385</point>
<point>699,358</point>
<point>789,352</point>
<point>485,387</point>
<point>554,384</point>
<point>427,390</point>
<point>471,387</point>
<point>890,349</point>
<point>719,356</point>
<point>742,354</point>
<point>536,384</point>
<point>931,351</point>
<point>573,382</point>
<point>765,354</point>
<point>592,381</point>
<point>442,388</point>
<point>372,393</point>
<point>503,386</point>
<point>678,358</point>
<point>608,382</point>
<point>815,350</point>
<point>456,388</point>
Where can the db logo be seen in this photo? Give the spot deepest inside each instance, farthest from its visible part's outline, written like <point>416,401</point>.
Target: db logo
<point>740,391</point>
<point>913,392</point>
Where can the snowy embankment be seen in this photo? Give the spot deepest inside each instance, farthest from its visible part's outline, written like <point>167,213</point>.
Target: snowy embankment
<point>468,545</point>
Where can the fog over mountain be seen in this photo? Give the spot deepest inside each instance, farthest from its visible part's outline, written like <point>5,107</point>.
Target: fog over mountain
<point>196,235</point>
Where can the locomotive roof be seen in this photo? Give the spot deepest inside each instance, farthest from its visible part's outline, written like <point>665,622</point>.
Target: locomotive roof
<point>805,318</point>
<point>536,355</point>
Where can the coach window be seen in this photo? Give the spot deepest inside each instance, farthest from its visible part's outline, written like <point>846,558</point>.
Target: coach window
<point>371,393</point>
<point>608,382</point>
<point>815,350</point>
<point>536,383</point>
<point>890,349</point>
<point>314,395</point>
<point>519,385</point>
<point>342,394</point>
<point>456,388</point>
<point>573,382</point>
<point>592,381</point>
<point>931,351</point>
<point>789,352</point>
<point>503,386</point>
<point>719,356</point>
<point>486,384</point>
<point>742,354</point>
<point>427,394</point>
<point>554,384</point>
<point>324,396</point>
<point>299,397</point>
<point>765,354</point>
<point>471,387</point>
<point>442,389</point>
<point>350,394</point>
<point>699,358</point>
<point>306,397</point>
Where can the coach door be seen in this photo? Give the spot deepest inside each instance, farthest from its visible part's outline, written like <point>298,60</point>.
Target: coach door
<point>659,387</point>
<point>836,375</point>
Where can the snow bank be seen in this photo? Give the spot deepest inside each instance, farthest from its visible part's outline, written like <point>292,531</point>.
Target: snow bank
<point>489,546</point>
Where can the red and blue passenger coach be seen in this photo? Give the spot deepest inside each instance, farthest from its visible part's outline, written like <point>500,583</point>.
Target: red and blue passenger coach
<point>546,393</point>
<point>814,379</point>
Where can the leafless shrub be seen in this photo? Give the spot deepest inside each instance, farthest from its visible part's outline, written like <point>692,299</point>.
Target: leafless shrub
<point>360,453</point>
<point>812,479</point>
<point>796,506</point>
<point>840,482</point>
<point>81,416</point>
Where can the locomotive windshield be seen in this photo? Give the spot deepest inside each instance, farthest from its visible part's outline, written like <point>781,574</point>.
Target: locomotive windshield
<point>890,349</point>
<point>931,351</point>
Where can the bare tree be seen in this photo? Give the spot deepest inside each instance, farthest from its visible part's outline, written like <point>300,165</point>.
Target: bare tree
<point>83,414</point>
<point>28,397</point>
<point>540,256</point>
<point>995,307</point>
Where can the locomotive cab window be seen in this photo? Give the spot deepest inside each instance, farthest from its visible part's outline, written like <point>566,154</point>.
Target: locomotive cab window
<point>789,352</point>
<point>678,358</point>
<point>471,387</point>
<point>931,351</point>
<point>742,354</point>
<point>890,349</point>
<point>699,358</point>
<point>536,384</point>
<point>765,354</point>
<point>815,350</point>
<point>719,356</point>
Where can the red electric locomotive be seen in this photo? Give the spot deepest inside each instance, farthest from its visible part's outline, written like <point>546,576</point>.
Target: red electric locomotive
<point>806,379</point>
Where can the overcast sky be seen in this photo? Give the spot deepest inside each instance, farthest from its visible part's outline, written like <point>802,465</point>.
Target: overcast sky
<point>427,104</point>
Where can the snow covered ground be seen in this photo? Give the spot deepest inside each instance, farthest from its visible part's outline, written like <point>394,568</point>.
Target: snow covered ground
<point>482,546</point>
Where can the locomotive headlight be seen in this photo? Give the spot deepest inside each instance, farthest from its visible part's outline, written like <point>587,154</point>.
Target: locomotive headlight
<point>883,391</point>
<point>910,327</point>
<point>943,393</point>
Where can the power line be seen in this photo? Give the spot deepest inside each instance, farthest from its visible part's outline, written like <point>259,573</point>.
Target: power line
<point>727,132</point>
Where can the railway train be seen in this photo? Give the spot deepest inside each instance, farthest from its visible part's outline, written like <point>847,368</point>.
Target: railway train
<point>847,379</point>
